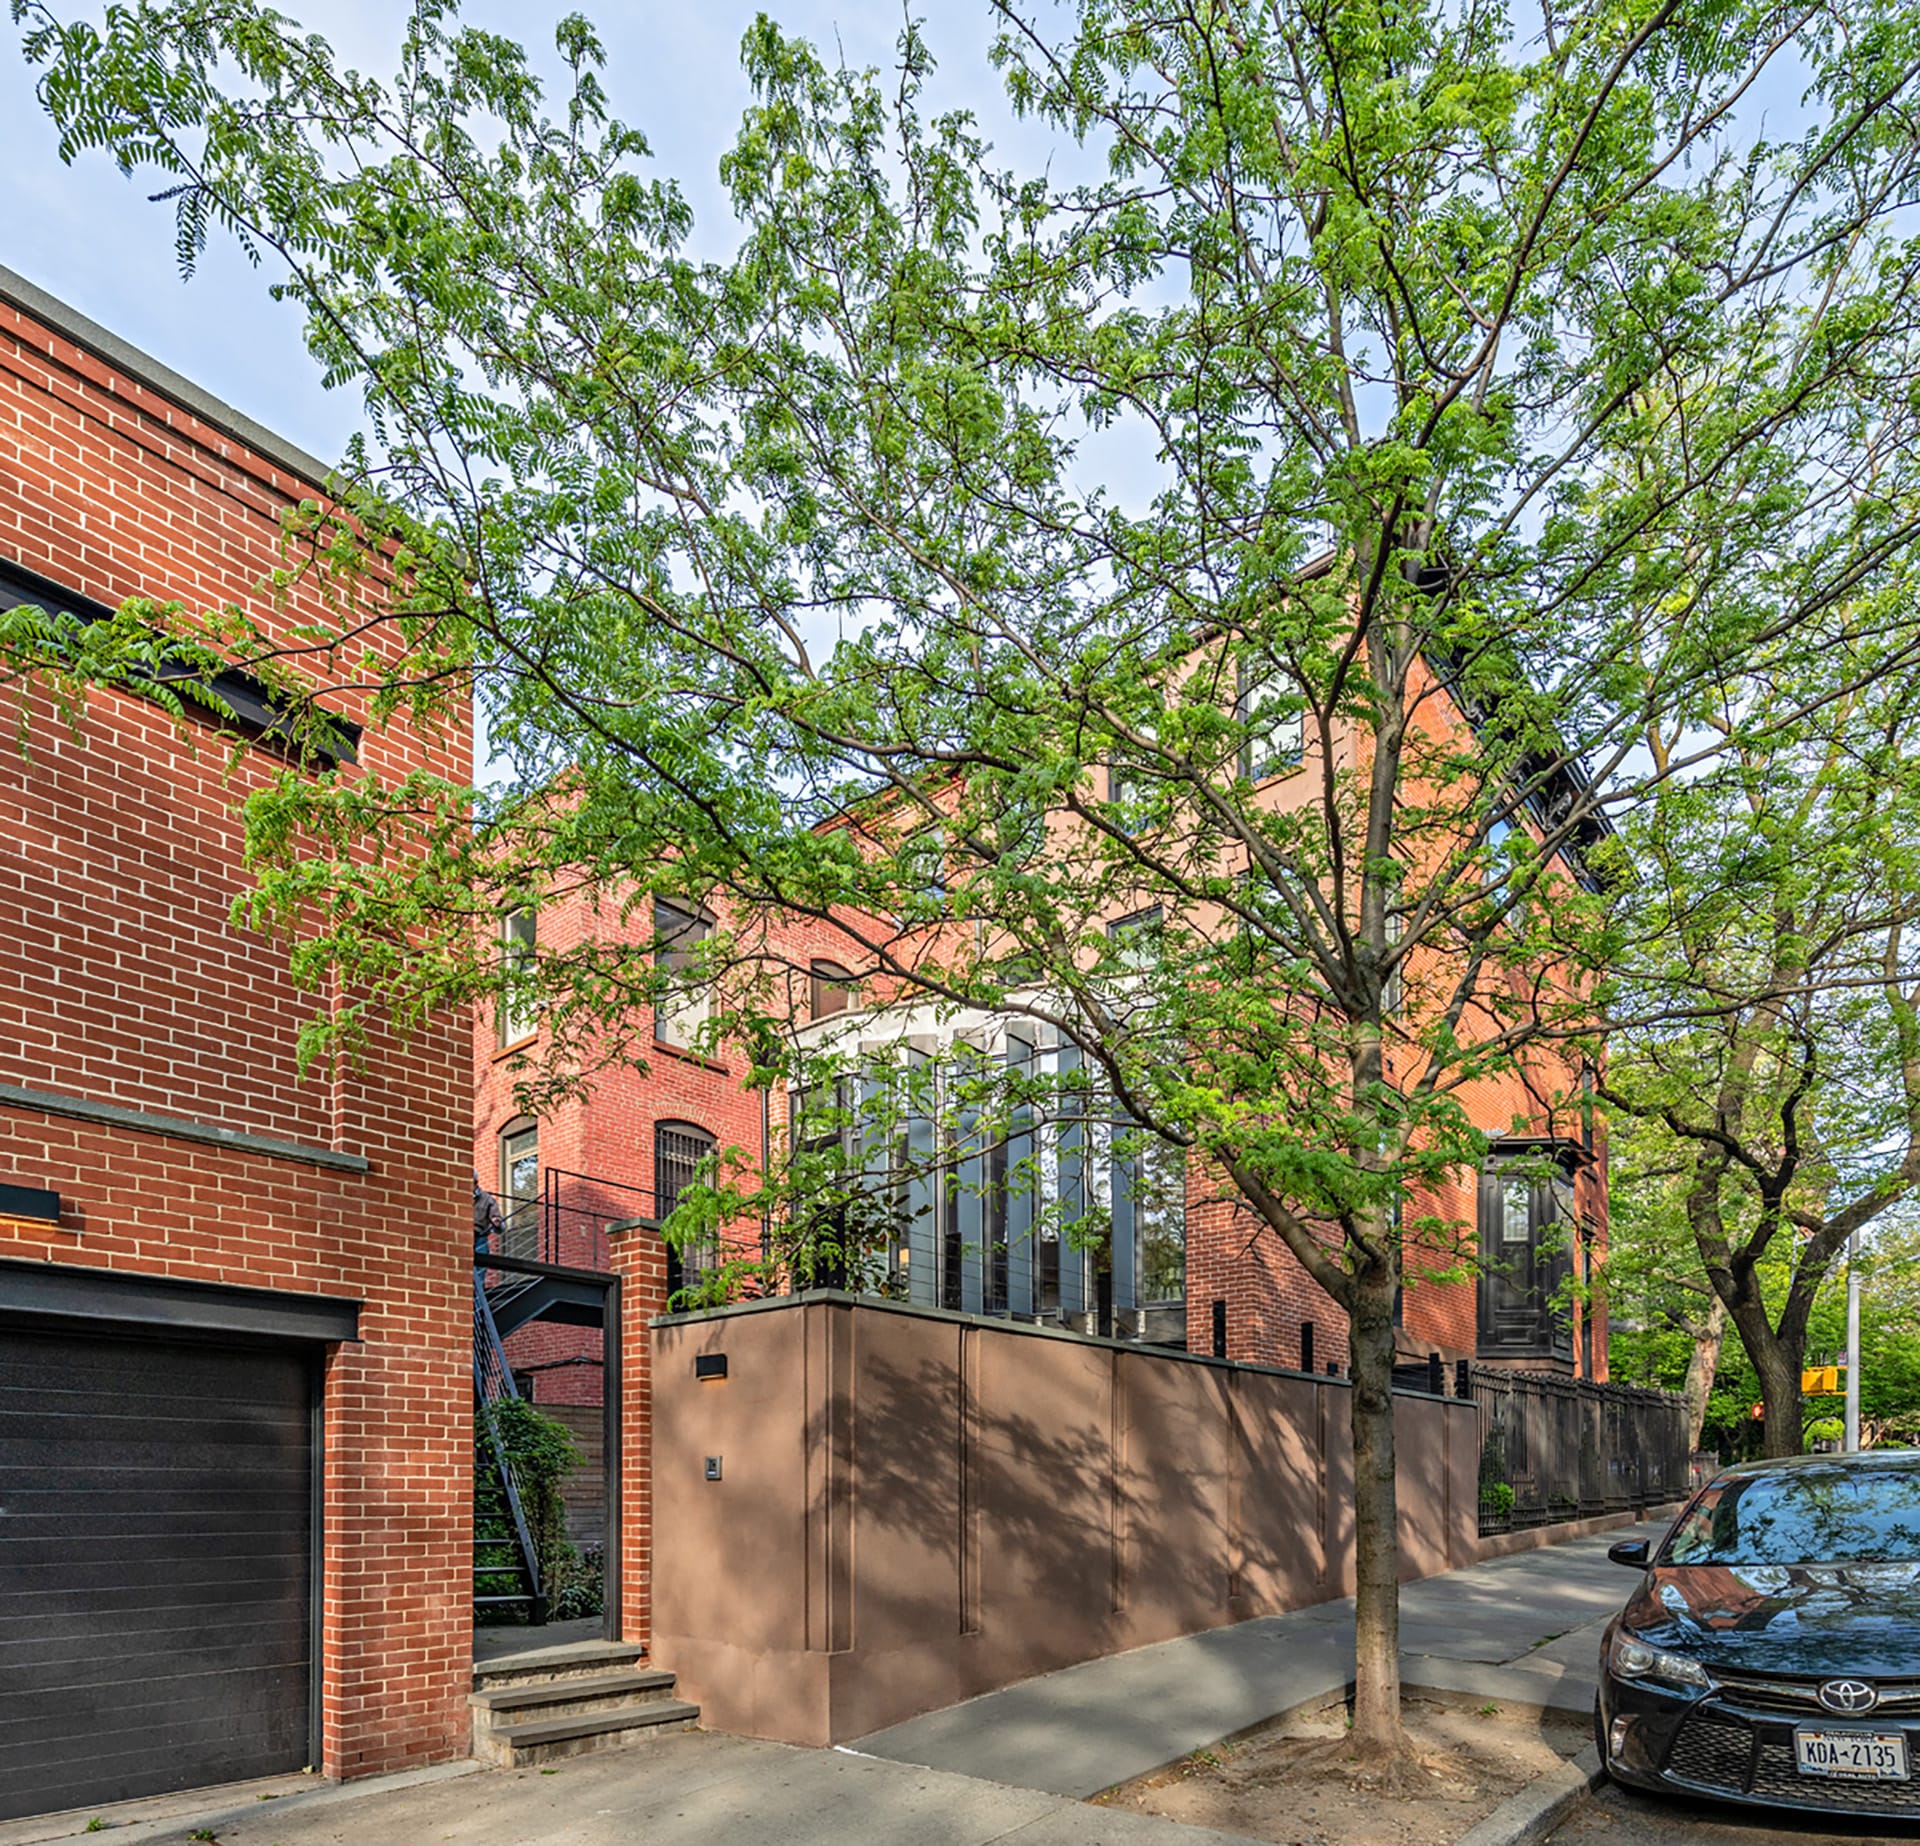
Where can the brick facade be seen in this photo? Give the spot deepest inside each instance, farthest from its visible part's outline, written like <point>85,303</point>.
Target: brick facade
<point>125,981</point>
<point>608,1137</point>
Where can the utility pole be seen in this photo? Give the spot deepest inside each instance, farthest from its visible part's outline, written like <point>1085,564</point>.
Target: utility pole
<point>1852,1441</point>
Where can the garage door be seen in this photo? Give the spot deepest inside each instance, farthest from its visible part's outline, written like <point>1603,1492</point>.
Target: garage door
<point>156,1526</point>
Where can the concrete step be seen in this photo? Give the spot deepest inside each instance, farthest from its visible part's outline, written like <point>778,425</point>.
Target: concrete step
<point>538,1665</point>
<point>562,1698</point>
<point>544,1740</point>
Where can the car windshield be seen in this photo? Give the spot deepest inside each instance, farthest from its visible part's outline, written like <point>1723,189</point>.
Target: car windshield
<point>1820,1516</point>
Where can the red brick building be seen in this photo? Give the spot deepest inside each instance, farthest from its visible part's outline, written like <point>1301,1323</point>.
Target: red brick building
<point>587,1185</point>
<point>235,1321</point>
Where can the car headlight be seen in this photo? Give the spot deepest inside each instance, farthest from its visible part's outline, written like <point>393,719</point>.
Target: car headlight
<point>1633,1659</point>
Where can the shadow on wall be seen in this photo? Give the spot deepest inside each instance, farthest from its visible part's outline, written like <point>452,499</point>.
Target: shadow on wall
<point>916,1507</point>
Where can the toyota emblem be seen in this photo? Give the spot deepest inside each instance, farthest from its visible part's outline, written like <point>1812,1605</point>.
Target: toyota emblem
<point>1848,1697</point>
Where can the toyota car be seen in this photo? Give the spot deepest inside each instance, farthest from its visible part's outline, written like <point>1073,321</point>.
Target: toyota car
<point>1771,1653</point>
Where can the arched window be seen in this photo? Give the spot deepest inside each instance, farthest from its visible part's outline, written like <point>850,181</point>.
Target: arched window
<point>678,1150</point>
<point>520,1187</point>
<point>832,990</point>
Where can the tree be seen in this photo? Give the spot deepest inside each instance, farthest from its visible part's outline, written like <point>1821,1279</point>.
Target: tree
<point>1377,297</point>
<point>1665,1322</point>
<point>1773,1075</point>
<point>1889,1371</point>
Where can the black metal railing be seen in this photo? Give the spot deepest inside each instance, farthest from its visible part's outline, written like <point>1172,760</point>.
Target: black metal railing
<point>492,1383</point>
<point>1554,1449</point>
<point>569,1223</point>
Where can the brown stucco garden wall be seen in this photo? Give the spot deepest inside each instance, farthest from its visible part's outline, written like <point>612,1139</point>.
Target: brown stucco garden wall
<point>917,1507</point>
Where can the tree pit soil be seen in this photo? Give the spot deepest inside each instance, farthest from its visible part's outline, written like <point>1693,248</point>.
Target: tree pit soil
<point>1299,1783</point>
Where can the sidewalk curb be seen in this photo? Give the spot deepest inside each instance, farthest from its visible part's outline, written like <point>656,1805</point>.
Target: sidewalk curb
<point>1528,1816</point>
<point>178,1822</point>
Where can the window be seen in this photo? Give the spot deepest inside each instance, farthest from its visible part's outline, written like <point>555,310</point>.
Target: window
<point>1139,798</point>
<point>1496,874</point>
<point>832,990</point>
<point>1393,990</point>
<point>679,1149</point>
<point>1516,1210</point>
<point>1136,939</point>
<point>1159,1222</point>
<point>516,1016</point>
<point>233,701</point>
<point>1140,791</point>
<point>520,1188</point>
<point>682,1008</point>
<point>1276,730</point>
<point>923,875</point>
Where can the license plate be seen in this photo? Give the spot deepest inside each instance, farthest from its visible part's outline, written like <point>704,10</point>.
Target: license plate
<point>1866,1756</point>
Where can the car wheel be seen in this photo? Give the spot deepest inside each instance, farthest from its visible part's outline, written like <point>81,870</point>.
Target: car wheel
<point>1599,1734</point>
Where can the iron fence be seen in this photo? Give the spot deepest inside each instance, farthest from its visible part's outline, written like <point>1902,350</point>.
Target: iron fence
<point>1553,1449</point>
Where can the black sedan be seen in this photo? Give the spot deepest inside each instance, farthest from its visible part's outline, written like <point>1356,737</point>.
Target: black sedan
<point>1772,1651</point>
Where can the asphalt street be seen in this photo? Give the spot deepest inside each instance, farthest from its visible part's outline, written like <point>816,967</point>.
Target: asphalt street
<point>1613,1816</point>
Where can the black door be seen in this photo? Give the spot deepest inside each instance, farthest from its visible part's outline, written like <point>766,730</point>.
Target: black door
<point>1524,1260</point>
<point>156,1540</point>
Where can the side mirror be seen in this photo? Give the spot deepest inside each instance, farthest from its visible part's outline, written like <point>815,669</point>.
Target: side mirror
<point>1630,1551</point>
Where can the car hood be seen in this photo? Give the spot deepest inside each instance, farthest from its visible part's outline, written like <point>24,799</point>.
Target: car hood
<point>1811,1619</point>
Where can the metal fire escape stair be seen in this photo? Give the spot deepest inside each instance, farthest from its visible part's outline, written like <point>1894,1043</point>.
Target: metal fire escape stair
<point>503,1547</point>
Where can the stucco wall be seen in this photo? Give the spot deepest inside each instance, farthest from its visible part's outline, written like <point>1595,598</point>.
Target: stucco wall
<point>916,1507</point>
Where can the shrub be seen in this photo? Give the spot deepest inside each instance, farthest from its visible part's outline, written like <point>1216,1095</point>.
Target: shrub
<point>542,1453</point>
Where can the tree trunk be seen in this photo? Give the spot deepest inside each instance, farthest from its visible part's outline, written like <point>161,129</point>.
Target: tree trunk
<point>1376,1598</point>
<point>1702,1366</point>
<point>1780,1392</point>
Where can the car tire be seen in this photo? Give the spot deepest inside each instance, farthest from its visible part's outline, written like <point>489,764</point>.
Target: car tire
<point>1600,1734</point>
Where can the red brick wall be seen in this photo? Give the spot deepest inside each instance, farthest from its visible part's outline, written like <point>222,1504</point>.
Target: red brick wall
<point>607,1138</point>
<point>123,980</point>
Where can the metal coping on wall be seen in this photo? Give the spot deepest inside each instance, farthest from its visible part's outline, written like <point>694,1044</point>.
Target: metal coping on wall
<point>171,1304</point>
<point>142,368</point>
<point>178,1128</point>
<point>836,1297</point>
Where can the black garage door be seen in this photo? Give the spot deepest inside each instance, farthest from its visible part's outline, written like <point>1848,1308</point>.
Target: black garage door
<point>156,1537</point>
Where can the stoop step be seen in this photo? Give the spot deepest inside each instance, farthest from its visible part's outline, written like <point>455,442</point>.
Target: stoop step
<point>516,1745</point>
<point>540,1664</point>
<point>565,1701</point>
<point>561,1698</point>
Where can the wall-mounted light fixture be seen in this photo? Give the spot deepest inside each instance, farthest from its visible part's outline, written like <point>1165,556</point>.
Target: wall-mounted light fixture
<point>709,1365</point>
<point>29,1202</point>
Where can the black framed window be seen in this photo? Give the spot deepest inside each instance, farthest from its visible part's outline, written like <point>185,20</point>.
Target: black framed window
<point>1136,937</point>
<point>679,1151</point>
<point>923,875</point>
<point>1159,1221</point>
<point>230,699</point>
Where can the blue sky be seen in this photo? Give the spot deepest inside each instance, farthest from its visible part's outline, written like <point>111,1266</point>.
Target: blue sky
<point>92,238</point>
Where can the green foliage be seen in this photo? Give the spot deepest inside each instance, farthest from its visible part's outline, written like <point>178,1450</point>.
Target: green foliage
<point>1462,362</point>
<point>541,1452</point>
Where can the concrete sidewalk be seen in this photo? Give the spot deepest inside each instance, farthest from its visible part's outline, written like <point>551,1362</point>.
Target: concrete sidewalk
<point>1014,1766</point>
<point>690,1790</point>
<point>1520,1631</point>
